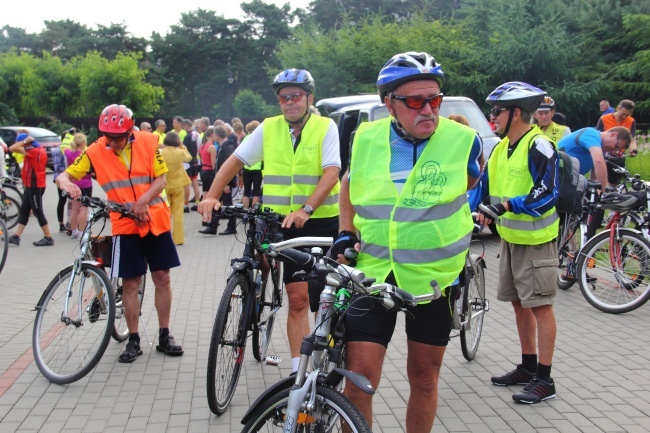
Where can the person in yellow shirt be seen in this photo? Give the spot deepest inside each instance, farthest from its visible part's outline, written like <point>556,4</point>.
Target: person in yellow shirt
<point>175,154</point>
<point>160,131</point>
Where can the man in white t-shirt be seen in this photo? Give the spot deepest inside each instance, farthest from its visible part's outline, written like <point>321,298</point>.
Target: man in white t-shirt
<point>301,180</point>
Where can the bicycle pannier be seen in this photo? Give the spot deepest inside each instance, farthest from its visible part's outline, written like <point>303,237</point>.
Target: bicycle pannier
<point>572,185</point>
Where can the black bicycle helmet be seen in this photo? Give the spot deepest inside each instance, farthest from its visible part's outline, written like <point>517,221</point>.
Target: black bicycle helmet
<point>406,67</point>
<point>517,94</point>
<point>296,78</point>
<point>622,202</point>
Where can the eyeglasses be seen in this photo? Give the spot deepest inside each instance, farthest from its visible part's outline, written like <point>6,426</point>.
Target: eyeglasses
<point>293,97</point>
<point>117,137</point>
<point>418,102</point>
<point>496,111</point>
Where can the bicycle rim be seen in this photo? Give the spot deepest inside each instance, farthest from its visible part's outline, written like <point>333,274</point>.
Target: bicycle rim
<point>227,345</point>
<point>121,330</point>
<point>9,210</point>
<point>4,243</point>
<point>332,412</point>
<point>615,272</point>
<point>473,312</point>
<point>64,351</point>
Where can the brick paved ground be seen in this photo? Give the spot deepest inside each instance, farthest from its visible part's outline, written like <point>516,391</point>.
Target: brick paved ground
<point>601,364</point>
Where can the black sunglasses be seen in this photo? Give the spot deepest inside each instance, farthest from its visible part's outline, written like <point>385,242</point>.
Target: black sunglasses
<point>496,111</point>
<point>418,102</point>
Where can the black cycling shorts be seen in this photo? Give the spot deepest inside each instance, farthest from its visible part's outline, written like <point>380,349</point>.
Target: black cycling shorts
<point>326,227</point>
<point>368,320</point>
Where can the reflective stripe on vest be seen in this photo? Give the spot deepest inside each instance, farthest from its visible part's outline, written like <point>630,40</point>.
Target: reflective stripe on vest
<point>290,178</point>
<point>423,234</point>
<point>124,187</point>
<point>510,177</point>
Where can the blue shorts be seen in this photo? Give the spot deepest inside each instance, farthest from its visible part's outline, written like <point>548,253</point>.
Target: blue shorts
<point>131,254</point>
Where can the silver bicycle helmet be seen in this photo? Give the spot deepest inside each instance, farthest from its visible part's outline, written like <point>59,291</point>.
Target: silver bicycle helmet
<point>517,94</point>
<point>294,77</point>
<point>622,202</point>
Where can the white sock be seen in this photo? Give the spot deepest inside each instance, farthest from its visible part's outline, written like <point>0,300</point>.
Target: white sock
<point>295,362</point>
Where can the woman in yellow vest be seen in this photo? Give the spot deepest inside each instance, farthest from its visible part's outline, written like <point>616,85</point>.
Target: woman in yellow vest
<point>520,180</point>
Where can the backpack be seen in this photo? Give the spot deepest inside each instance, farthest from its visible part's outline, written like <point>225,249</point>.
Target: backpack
<point>571,184</point>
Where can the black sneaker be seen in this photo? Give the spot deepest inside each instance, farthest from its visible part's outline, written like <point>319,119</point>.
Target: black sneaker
<point>536,391</point>
<point>14,239</point>
<point>62,228</point>
<point>131,353</point>
<point>45,242</point>
<point>518,376</point>
<point>186,209</point>
<point>195,207</point>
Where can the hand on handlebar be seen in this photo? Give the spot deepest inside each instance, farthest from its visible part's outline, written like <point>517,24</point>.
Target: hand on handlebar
<point>345,248</point>
<point>206,207</point>
<point>489,213</point>
<point>72,191</point>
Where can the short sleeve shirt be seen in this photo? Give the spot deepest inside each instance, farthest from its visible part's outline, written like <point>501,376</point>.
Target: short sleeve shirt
<point>578,143</point>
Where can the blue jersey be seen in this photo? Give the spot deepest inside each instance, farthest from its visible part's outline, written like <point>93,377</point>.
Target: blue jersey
<point>578,143</point>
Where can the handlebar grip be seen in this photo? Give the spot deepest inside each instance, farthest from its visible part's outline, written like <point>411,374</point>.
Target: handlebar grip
<point>488,212</point>
<point>298,257</point>
<point>406,296</point>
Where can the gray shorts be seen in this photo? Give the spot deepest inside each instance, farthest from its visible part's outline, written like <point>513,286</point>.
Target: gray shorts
<point>528,273</point>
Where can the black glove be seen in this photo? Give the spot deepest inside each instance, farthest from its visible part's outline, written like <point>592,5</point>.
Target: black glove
<point>344,241</point>
<point>492,211</point>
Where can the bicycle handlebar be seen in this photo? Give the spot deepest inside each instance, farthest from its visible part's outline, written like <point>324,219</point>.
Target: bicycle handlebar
<point>238,210</point>
<point>105,206</point>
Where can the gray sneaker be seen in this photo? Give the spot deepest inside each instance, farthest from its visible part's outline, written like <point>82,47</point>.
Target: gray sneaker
<point>14,239</point>
<point>536,391</point>
<point>45,242</point>
<point>518,376</point>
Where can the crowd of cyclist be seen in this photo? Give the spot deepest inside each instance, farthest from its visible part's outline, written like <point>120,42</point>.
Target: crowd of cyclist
<point>402,206</point>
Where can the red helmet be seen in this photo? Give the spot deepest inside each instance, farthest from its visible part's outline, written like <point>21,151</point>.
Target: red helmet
<point>116,119</point>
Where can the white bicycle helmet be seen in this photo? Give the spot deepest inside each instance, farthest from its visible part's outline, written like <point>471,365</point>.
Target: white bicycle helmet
<point>517,94</point>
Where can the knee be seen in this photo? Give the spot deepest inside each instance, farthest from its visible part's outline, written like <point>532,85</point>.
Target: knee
<point>425,380</point>
<point>298,300</point>
<point>161,279</point>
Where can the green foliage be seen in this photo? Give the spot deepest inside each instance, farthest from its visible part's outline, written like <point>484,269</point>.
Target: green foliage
<point>249,104</point>
<point>7,115</point>
<point>640,164</point>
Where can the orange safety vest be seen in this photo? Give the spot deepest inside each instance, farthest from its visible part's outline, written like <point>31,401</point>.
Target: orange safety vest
<point>609,121</point>
<point>124,186</point>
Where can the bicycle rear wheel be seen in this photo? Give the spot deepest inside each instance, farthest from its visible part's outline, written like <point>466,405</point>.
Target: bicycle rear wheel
<point>269,302</point>
<point>9,210</point>
<point>474,305</point>
<point>121,330</point>
<point>567,249</point>
<point>615,273</point>
<point>228,342</point>
<point>4,243</point>
<point>331,413</point>
<point>67,347</point>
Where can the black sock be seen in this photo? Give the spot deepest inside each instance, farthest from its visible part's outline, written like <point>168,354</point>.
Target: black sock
<point>543,372</point>
<point>529,362</point>
<point>163,332</point>
<point>134,337</point>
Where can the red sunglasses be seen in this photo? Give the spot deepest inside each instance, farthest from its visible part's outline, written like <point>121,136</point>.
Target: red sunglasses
<point>418,102</point>
<point>293,97</point>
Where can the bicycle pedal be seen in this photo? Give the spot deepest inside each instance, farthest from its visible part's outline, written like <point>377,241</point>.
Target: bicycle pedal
<point>273,360</point>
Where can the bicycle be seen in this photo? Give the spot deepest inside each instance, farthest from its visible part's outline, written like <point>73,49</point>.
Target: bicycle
<point>250,301</point>
<point>4,243</point>
<point>614,265</point>
<point>75,316</point>
<point>313,401</point>
<point>573,235</point>
<point>9,206</point>
<point>13,187</point>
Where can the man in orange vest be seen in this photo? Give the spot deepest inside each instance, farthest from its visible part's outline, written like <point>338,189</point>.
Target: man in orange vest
<point>132,172</point>
<point>621,117</point>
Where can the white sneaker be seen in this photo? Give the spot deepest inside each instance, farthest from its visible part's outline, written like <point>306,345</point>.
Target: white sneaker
<point>76,234</point>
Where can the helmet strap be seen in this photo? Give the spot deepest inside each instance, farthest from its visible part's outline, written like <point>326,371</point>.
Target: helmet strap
<point>405,135</point>
<point>510,116</point>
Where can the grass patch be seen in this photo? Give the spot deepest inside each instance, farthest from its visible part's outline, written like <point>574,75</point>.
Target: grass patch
<point>639,164</point>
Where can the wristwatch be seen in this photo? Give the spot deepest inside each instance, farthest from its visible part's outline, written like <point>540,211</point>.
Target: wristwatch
<point>308,209</point>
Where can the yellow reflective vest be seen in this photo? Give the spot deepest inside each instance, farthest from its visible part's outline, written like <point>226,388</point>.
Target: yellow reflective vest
<point>510,177</point>
<point>423,234</point>
<point>290,178</point>
<point>554,131</point>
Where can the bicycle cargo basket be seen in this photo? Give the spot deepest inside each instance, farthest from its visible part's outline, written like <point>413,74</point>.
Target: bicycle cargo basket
<point>101,247</point>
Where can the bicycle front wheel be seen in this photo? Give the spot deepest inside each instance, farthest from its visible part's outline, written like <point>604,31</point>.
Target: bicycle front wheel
<point>269,303</point>
<point>4,243</point>
<point>615,272</point>
<point>228,343</point>
<point>73,323</point>
<point>332,412</point>
<point>9,210</point>
<point>121,330</point>
<point>474,305</point>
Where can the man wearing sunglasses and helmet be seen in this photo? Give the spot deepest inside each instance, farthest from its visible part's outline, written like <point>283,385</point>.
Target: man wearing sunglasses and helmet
<point>404,196</point>
<point>301,180</point>
<point>521,181</point>
<point>130,169</point>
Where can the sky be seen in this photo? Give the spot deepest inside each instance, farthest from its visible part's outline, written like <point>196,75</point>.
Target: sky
<point>142,18</point>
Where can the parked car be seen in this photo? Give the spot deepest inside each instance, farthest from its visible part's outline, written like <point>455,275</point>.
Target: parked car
<point>348,112</point>
<point>46,138</point>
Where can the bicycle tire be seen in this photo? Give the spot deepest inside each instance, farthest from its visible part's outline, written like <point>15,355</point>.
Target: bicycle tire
<point>473,295</point>
<point>13,191</point>
<point>228,343</point>
<point>64,352</point>
<point>9,211</point>
<point>121,330</point>
<point>4,243</point>
<point>566,256</point>
<point>270,299</point>
<point>331,407</point>
<point>617,287</point>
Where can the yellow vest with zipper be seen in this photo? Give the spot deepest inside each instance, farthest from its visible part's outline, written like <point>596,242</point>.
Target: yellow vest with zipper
<point>510,177</point>
<point>290,178</point>
<point>423,234</point>
<point>554,131</point>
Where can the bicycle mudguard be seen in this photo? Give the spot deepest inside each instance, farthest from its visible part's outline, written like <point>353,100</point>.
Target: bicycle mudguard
<point>335,376</point>
<point>267,394</point>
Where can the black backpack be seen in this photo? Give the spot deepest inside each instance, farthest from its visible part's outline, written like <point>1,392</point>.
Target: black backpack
<point>572,185</point>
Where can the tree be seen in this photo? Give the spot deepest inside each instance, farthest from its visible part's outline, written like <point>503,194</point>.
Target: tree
<point>249,104</point>
<point>7,116</point>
